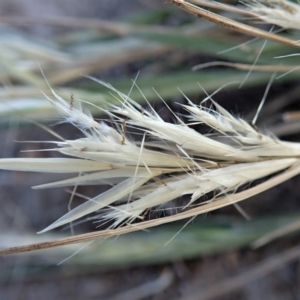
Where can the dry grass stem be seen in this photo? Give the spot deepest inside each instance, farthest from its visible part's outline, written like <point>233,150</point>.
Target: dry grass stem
<point>247,67</point>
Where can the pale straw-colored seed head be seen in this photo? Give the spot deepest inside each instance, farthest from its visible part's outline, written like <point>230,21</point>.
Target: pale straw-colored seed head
<point>283,13</point>
<point>169,161</point>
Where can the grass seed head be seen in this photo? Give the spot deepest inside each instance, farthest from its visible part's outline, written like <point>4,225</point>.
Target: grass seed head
<point>283,13</point>
<point>172,160</point>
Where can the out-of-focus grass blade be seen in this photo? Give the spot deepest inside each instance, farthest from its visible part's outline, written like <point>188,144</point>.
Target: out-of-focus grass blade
<point>30,104</point>
<point>102,56</point>
<point>96,57</point>
<point>23,57</point>
<point>161,245</point>
<point>214,43</point>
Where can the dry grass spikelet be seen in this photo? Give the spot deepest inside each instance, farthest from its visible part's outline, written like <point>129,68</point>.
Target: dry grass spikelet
<point>170,161</point>
<point>283,13</point>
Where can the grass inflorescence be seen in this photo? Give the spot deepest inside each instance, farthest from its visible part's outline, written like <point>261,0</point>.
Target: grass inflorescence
<point>170,160</point>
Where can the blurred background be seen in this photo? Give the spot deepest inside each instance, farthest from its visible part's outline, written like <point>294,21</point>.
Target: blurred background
<point>213,257</point>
